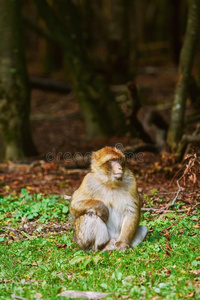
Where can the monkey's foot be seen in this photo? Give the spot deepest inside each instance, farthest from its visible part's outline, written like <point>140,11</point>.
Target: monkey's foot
<point>121,246</point>
<point>110,245</point>
<point>139,235</point>
<point>114,245</point>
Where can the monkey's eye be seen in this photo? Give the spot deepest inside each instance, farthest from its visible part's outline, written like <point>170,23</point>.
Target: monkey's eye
<point>120,161</point>
<point>115,159</point>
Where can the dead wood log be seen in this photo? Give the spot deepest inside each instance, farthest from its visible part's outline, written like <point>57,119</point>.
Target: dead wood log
<point>49,84</point>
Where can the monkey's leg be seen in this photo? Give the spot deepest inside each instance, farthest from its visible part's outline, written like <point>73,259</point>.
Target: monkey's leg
<point>139,235</point>
<point>90,232</point>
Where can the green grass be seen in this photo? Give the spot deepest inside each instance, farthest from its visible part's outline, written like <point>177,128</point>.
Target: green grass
<point>37,266</point>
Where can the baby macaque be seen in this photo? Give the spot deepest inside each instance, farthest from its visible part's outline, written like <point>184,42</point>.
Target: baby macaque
<point>106,206</point>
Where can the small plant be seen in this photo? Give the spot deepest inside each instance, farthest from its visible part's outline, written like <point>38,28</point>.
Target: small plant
<point>43,208</point>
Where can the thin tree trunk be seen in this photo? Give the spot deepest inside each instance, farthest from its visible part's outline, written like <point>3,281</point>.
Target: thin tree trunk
<point>15,135</point>
<point>100,111</point>
<point>197,77</point>
<point>184,73</point>
<point>175,32</point>
<point>139,7</point>
<point>126,43</point>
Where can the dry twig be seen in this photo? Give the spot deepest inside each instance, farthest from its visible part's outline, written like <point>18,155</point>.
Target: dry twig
<point>188,167</point>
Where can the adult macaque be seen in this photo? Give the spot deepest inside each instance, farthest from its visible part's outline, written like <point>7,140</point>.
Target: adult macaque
<point>106,206</point>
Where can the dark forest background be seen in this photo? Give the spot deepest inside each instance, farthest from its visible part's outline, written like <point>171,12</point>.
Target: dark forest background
<point>78,74</point>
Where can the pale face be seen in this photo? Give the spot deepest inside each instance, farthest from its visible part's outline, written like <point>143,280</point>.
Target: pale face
<point>117,170</point>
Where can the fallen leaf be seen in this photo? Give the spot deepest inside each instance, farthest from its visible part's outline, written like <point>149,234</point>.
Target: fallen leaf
<point>29,187</point>
<point>5,280</point>
<point>24,220</point>
<point>17,297</point>
<point>168,246</point>
<point>196,225</point>
<point>166,234</point>
<point>69,276</point>
<point>167,271</point>
<point>38,295</point>
<point>190,295</point>
<point>174,266</point>
<point>150,260</point>
<point>195,272</point>
<point>60,245</point>
<point>84,295</point>
<point>188,211</point>
<point>15,238</point>
<point>16,182</point>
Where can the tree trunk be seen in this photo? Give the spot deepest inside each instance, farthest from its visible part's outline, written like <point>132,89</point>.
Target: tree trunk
<point>125,41</point>
<point>100,111</point>
<point>197,77</point>
<point>15,135</point>
<point>139,20</point>
<point>175,29</point>
<point>184,72</point>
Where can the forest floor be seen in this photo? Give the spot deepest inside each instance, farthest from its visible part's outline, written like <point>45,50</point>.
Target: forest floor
<point>58,132</point>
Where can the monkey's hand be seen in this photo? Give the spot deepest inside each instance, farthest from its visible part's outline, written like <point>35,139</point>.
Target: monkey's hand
<point>121,246</point>
<point>101,211</point>
<point>90,206</point>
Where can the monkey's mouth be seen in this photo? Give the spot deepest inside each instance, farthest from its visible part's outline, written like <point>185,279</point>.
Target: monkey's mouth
<point>118,176</point>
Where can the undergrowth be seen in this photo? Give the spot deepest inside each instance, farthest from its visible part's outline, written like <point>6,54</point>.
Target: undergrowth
<point>41,266</point>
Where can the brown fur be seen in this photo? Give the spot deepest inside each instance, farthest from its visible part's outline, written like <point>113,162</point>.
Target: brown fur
<point>106,208</point>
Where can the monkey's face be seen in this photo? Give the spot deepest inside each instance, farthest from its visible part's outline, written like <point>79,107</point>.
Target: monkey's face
<point>111,171</point>
<point>108,163</point>
<point>116,168</point>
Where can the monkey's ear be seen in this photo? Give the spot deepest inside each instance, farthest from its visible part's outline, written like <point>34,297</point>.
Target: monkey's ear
<point>93,156</point>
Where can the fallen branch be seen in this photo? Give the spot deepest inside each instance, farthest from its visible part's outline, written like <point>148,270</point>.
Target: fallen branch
<point>166,208</point>
<point>48,84</point>
<point>176,197</point>
<point>9,229</point>
<point>160,210</point>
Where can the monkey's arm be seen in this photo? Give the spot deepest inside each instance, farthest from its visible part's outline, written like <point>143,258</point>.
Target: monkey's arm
<point>90,206</point>
<point>83,200</point>
<point>129,227</point>
<point>130,221</point>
